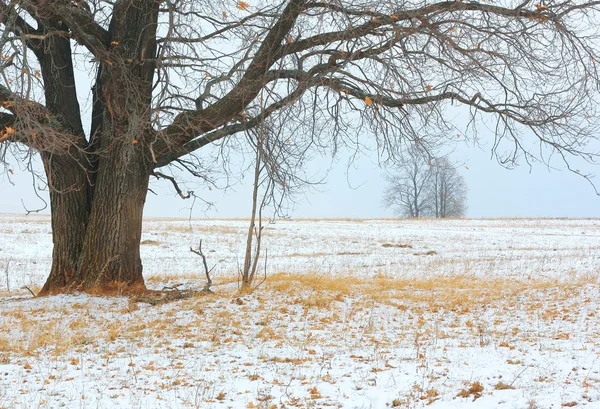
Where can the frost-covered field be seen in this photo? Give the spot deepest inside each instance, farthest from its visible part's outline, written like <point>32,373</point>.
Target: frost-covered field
<point>353,314</point>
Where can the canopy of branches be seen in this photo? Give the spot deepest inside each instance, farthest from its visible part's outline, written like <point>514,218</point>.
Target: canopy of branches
<point>196,71</point>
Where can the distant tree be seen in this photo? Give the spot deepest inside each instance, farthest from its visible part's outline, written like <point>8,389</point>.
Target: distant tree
<point>424,187</point>
<point>448,190</point>
<point>408,191</point>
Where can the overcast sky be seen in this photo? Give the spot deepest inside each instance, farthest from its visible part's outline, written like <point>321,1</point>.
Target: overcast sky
<point>356,191</point>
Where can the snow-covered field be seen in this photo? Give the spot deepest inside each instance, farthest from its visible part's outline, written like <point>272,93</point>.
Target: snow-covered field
<point>353,314</point>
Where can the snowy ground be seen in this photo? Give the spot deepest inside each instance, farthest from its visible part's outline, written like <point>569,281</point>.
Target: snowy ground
<point>353,314</point>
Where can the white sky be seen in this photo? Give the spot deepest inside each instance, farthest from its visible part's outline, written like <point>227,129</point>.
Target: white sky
<point>357,192</point>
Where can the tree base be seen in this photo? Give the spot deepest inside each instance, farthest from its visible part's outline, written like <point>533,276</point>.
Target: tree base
<point>114,288</point>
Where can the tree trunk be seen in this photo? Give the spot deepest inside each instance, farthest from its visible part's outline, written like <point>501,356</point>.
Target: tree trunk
<point>97,225</point>
<point>98,251</point>
<point>68,179</point>
<point>250,263</point>
<point>110,260</point>
<point>69,203</point>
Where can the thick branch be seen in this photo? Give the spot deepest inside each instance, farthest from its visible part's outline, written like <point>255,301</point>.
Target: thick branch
<point>6,120</point>
<point>79,20</point>
<point>423,12</point>
<point>190,124</point>
<point>229,130</point>
<point>52,131</point>
<point>380,20</point>
<point>20,25</point>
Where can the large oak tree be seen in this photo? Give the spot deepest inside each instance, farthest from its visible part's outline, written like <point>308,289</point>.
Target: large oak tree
<point>170,77</point>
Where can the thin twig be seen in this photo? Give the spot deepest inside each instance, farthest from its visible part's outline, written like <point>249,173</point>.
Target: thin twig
<point>28,289</point>
<point>171,179</point>
<point>519,374</point>
<point>6,273</point>
<point>265,277</point>
<point>199,252</point>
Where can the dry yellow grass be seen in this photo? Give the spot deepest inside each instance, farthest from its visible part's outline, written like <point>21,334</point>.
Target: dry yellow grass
<point>432,292</point>
<point>150,243</point>
<point>503,386</point>
<point>228,317</point>
<point>187,228</point>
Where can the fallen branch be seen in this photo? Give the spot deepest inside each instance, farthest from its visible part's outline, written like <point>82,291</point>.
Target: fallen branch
<point>163,297</point>
<point>172,287</point>
<point>173,293</point>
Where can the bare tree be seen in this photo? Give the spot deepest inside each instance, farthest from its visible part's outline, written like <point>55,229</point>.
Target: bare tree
<point>409,188</point>
<point>255,227</point>
<point>447,191</point>
<point>277,177</point>
<point>169,77</point>
<point>426,187</point>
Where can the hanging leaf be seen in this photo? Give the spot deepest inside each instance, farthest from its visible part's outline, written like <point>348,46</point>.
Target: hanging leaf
<point>242,5</point>
<point>368,100</point>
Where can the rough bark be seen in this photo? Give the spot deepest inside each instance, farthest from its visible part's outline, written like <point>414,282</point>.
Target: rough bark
<point>97,202</point>
<point>110,259</point>
<point>70,210</point>
<point>66,172</point>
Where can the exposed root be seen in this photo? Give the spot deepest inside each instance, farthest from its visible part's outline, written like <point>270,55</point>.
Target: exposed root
<point>114,288</point>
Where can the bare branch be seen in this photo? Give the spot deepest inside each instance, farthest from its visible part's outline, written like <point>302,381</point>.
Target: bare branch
<point>190,124</point>
<point>78,20</point>
<point>199,252</point>
<point>171,179</point>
